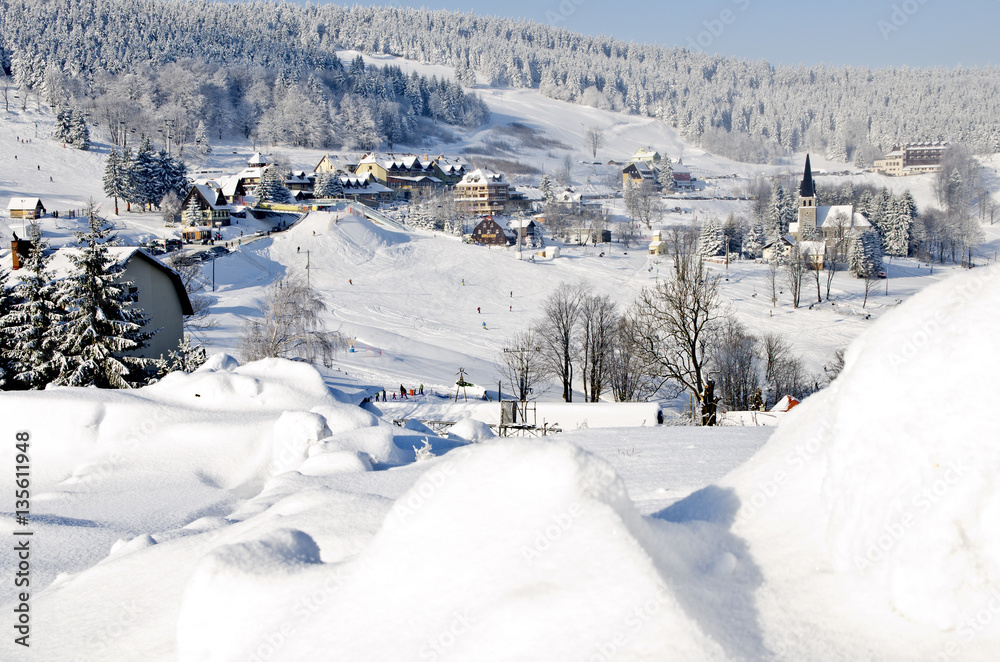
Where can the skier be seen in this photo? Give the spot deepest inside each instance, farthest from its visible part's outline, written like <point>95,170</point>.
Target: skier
<point>393,395</point>
<point>421,389</point>
<point>463,280</point>
<point>402,390</point>
<point>484,326</point>
<point>478,310</point>
<point>383,395</point>
<point>350,282</point>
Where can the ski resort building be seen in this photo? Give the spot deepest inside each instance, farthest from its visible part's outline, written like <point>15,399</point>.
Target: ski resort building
<point>213,209</point>
<point>482,192</point>
<point>646,155</point>
<point>640,173</point>
<point>490,233</point>
<point>911,159</point>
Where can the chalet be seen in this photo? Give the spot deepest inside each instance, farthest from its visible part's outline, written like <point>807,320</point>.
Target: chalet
<point>211,203</point>
<point>826,223</point>
<point>159,293</point>
<point>682,175</point>
<point>658,246</point>
<point>365,189</point>
<point>522,201</point>
<point>250,176</point>
<point>491,233</point>
<point>25,208</point>
<point>450,170</point>
<point>530,231</point>
<point>646,155</point>
<point>233,190</point>
<point>778,250</point>
<point>394,165</point>
<point>813,253</point>
<point>299,180</point>
<point>334,163</point>
<point>640,173</point>
<point>482,192</point>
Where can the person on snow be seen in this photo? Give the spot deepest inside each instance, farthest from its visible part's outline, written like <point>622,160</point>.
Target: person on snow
<point>421,389</point>
<point>402,390</point>
<point>478,310</point>
<point>393,395</point>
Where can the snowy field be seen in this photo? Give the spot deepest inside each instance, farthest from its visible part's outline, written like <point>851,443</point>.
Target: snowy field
<point>258,513</point>
<point>247,513</point>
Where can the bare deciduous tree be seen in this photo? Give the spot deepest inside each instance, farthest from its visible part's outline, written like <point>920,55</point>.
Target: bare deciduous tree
<point>193,280</point>
<point>557,332</point>
<point>671,326</point>
<point>643,204</point>
<point>290,326</point>
<point>735,360</point>
<point>794,269</point>
<point>598,321</point>
<point>629,379</point>
<point>594,139</point>
<point>520,365</point>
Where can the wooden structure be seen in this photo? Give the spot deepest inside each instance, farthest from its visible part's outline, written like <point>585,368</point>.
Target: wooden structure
<point>490,233</point>
<point>25,208</point>
<point>212,205</point>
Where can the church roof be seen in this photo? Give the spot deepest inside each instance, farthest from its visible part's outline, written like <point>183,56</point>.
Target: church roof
<point>808,187</point>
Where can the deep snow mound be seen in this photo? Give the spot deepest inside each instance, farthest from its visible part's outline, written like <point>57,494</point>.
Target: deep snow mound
<point>511,550</point>
<point>889,477</point>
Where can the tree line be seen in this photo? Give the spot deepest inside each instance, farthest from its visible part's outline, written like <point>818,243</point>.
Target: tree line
<point>677,337</point>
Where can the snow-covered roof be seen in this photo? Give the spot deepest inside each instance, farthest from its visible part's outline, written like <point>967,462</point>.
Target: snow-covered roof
<point>680,168</point>
<point>257,160</point>
<point>365,183</point>
<point>393,161</point>
<point>480,176</point>
<point>210,195</point>
<point>451,165</point>
<point>829,215</point>
<point>23,203</point>
<point>515,223</point>
<point>61,266</point>
<point>416,179</point>
<point>810,248</point>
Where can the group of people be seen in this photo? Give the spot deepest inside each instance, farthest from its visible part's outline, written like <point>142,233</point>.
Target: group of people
<point>402,393</point>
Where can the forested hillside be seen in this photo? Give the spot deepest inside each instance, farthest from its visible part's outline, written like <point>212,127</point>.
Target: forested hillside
<point>269,69</point>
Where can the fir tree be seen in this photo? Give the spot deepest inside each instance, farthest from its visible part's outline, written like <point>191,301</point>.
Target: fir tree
<point>186,358</point>
<point>79,134</point>
<point>754,241</point>
<point>666,175</point>
<point>865,256</point>
<point>192,211</point>
<point>115,177</point>
<point>101,325</point>
<point>6,332</point>
<point>61,130</point>
<point>35,318</point>
<point>272,186</point>
<point>328,185</point>
<point>776,216</point>
<point>201,140</point>
<point>548,196</point>
<point>710,241</point>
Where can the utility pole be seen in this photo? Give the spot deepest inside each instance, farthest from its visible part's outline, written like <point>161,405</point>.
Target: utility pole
<point>170,126</point>
<point>307,269</point>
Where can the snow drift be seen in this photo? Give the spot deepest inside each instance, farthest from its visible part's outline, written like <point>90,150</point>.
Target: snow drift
<point>889,478</point>
<point>510,550</point>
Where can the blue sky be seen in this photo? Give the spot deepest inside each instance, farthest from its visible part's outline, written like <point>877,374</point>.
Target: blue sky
<point>915,33</point>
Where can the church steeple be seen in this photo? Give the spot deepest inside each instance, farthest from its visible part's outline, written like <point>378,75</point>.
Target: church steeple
<point>807,189</point>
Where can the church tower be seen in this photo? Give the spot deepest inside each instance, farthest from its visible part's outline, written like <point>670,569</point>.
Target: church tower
<point>807,204</point>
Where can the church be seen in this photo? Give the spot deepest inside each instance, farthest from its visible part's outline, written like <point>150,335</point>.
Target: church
<point>830,223</point>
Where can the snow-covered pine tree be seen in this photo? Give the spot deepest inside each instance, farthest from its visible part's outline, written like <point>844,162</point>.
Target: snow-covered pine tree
<point>896,229</point>
<point>188,357</point>
<point>272,186</point>
<point>665,175</point>
<point>172,175</point>
<point>79,134</point>
<point>753,242</point>
<point>548,195</point>
<point>201,141</point>
<point>837,150</point>
<point>7,300</point>
<point>115,177</point>
<point>865,254</point>
<point>776,213</point>
<point>192,212</point>
<point>35,316</point>
<point>710,241</point>
<point>61,128</point>
<point>102,325</point>
<point>328,185</point>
